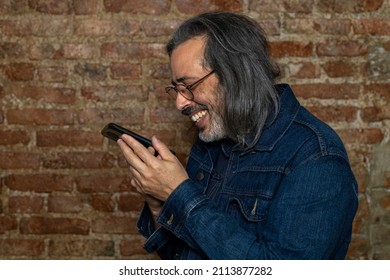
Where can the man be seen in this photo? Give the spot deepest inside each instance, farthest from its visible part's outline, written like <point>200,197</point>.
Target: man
<point>265,178</point>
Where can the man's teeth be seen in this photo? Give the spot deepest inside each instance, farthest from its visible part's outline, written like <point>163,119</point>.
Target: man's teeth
<point>198,116</point>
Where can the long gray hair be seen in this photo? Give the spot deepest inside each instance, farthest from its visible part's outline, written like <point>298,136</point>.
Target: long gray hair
<point>237,50</point>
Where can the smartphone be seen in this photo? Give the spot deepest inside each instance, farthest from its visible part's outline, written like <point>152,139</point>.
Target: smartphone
<point>114,132</point>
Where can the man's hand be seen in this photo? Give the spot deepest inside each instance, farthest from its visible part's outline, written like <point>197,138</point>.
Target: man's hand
<point>152,176</point>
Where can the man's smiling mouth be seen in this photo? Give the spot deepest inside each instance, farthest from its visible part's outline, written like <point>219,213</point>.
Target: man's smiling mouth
<point>196,117</point>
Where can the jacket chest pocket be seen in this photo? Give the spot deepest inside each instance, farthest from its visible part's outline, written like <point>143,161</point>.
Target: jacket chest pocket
<point>249,196</point>
<point>249,212</point>
<point>251,209</point>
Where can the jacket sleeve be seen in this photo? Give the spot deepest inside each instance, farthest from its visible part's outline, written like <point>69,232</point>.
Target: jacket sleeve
<point>314,206</point>
<point>159,240</point>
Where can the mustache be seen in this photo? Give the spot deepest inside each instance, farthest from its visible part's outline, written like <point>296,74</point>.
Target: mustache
<point>190,110</point>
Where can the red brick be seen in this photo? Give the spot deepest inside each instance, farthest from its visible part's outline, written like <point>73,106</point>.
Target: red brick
<point>373,114</point>
<point>53,74</point>
<point>102,202</point>
<point>299,26</point>
<point>340,69</point>
<point>130,202</point>
<point>271,26</point>
<point>300,70</point>
<point>40,183</point>
<point>20,71</point>
<point>46,225</point>
<point>298,6</point>
<point>105,183</point>
<point>290,6</point>
<point>124,50</point>
<point>189,134</point>
<point>78,51</point>
<point>351,6</point>
<point>22,247</point>
<point>266,6</point>
<point>7,223</point>
<point>333,26</point>
<point>157,27</point>
<point>85,7</point>
<point>358,226</point>
<point>132,247</point>
<point>325,91</point>
<point>28,116</point>
<point>95,72</point>
<point>386,45</point>
<point>291,48</point>
<point>387,179</point>
<point>11,137</point>
<point>11,50</point>
<point>78,160</point>
<point>372,26</point>
<point>189,7</point>
<point>128,116</point>
<point>106,27</point>
<point>114,93</point>
<point>19,160</point>
<point>125,71</point>
<point>166,114</point>
<point>381,89</point>
<point>54,138</point>
<point>114,225</point>
<point>166,136</point>
<point>50,6</point>
<point>157,89</point>
<point>65,204</point>
<point>359,248</point>
<point>366,136</point>
<point>348,48</point>
<point>161,72</point>
<point>45,94</point>
<point>13,6</point>
<point>151,7</point>
<point>40,51</point>
<point>335,113</point>
<point>361,179</point>
<point>25,204</point>
<point>36,26</point>
<point>385,203</point>
<point>86,249</point>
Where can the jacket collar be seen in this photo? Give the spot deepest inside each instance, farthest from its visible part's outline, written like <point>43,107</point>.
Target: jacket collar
<point>288,109</point>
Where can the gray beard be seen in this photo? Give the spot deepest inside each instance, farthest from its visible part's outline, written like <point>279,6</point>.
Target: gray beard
<point>217,130</point>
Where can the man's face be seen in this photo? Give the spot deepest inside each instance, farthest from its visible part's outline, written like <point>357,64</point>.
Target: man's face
<point>205,109</point>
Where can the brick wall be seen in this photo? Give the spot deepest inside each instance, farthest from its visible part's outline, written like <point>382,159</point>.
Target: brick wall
<point>69,67</point>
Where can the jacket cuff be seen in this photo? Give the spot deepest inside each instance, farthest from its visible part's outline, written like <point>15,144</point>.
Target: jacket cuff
<point>178,207</point>
<point>145,222</point>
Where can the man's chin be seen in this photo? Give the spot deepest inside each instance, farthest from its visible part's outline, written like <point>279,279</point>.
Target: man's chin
<point>210,137</point>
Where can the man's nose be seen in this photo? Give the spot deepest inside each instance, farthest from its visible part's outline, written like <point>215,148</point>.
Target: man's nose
<point>181,102</point>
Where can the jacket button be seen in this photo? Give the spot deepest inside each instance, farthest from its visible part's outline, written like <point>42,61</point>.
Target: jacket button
<point>200,176</point>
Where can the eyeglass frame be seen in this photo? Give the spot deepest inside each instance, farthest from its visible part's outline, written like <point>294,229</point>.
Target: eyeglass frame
<point>187,87</point>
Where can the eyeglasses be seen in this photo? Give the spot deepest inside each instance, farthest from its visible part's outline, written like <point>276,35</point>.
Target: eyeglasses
<point>184,90</point>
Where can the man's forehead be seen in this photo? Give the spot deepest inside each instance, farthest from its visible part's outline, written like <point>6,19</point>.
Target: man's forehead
<point>190,49</point>
<point>187,60</point>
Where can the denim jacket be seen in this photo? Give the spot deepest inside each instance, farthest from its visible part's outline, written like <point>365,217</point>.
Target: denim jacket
<point>292,196</point>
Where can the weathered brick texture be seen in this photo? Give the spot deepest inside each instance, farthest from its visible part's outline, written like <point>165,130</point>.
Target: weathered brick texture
<point>69,67</point>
